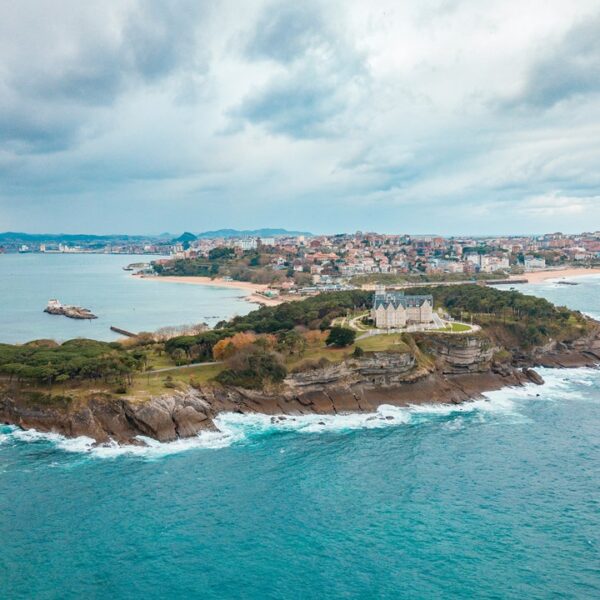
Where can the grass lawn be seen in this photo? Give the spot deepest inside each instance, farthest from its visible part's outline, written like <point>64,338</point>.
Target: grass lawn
<point>145,386</point>
<point>455,328</point>
<point>385,341</point>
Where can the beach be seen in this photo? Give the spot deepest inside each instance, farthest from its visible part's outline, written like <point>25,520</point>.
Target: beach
<point>540,276</point>
<point>216,282</point>
<point>255,289</point>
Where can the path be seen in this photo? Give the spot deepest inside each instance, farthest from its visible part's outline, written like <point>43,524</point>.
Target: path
<point>190,366</point>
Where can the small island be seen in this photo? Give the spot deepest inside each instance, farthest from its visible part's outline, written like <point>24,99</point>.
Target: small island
<point>55,307</point>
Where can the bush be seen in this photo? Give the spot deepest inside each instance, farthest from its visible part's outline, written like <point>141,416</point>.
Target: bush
<point>358,352</point>
<point>253,367</point>
<point>168,382</point>
<point>341,337</point>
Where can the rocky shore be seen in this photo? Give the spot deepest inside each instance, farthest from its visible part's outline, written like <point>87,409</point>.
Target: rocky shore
<point>456,369</point>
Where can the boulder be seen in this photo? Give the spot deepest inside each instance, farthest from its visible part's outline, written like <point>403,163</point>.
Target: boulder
<point>533,376</point>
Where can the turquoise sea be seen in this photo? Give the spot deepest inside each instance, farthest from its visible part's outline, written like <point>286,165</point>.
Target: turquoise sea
<point>499,498</point>
<point>98,282</point>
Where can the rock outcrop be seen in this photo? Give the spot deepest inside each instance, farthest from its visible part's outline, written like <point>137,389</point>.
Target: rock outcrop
<point>442,369</point>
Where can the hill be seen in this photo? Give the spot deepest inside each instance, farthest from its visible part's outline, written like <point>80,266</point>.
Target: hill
<point>266,232</point>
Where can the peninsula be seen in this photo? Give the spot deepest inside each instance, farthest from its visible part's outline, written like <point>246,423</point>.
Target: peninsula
<point>324,355</point>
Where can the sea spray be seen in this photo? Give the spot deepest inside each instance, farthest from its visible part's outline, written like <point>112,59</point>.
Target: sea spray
<point>235,428</point>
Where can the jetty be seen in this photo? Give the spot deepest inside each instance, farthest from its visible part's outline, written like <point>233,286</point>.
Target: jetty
<point>55,307</point>
<point>123,331</point>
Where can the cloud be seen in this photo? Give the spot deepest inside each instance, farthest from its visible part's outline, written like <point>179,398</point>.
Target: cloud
<point>554,204</point>
<point>570,69</point>
<point>47,98</point>
<point>286,31</point>
<point>323,73</point>
<point>320,115</point>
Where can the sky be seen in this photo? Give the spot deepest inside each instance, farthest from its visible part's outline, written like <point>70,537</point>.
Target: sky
<point>422,116</point>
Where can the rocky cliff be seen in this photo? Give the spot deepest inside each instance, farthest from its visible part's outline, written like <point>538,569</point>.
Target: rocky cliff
<point>440,369</point>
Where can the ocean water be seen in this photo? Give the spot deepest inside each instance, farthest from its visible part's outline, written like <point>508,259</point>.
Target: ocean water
<point>98,282</point>
<point>585,296</point>
<point>498,498</point>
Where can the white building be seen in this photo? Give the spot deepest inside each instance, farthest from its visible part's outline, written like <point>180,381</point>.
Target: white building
<point>531,263</point>
<point>247,244</point>
<point>491,264</point>
<point>393,310</point>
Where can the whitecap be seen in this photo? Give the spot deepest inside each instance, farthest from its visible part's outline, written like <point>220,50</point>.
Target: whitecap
<point>501,405</point>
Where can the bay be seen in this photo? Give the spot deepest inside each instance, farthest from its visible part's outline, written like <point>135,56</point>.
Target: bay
<point>99,283</point>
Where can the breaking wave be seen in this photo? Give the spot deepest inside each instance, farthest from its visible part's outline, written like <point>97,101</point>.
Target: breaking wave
<point>504,405</point>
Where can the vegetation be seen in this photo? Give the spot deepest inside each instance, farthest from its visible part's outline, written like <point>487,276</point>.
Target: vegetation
<point>423,278</point>
<point>253,367</point>
<point>385,341</point>
<point>341,337</point>
<point>258,349</point>
<point>528,319</point>
<point>251,266</point>
<point>78,359</point>
<point>311,313</point>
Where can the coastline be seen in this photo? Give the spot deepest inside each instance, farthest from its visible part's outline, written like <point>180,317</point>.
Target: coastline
<point>254,289</point>
<point>545,275</point>
<point>191,412</point>
<point>354,386</point>
<point>216,282</point>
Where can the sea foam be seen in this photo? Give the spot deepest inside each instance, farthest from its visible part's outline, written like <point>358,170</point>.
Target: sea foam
<point>504,405</point>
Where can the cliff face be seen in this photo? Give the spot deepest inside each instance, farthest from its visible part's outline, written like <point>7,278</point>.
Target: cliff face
<point>462,354</point>
<point>446,369</point>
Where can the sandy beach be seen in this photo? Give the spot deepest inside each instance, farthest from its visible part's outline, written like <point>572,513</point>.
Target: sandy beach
<point>568,273</point>
<point>216,282</point>
<point>254,288</point>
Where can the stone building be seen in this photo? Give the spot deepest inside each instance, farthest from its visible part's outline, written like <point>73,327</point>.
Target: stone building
<point>394,310</point>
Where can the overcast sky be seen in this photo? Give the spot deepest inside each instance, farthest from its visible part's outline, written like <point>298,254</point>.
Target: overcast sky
<point>422,116</point>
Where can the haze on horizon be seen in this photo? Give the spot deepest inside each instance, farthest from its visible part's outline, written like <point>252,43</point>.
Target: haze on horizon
<point>445,116</point>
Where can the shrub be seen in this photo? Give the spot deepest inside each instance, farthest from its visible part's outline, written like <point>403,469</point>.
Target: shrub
<point>227,347</point>
<point>253,367</point>
<point>341,337</point>
<point>358,352</point>
<point>168,382</point>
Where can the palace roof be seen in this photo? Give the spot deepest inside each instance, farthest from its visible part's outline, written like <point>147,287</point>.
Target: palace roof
<point>397,299</point>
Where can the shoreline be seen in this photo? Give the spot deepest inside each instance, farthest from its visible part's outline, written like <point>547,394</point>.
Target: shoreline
<point>567,273</point>
<point>209,281</point>
<point>189,413</point>
<point>254,295</point>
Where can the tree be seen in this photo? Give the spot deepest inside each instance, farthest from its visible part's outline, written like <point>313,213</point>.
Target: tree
<point>358,352</point>
<point>291,343</point>
<point>341,337</point>
<point>229,346</point>
<point>253,367</point>
<point>179,356</point>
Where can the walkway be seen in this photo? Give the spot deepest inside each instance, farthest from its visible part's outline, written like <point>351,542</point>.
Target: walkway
<point>180,367</point>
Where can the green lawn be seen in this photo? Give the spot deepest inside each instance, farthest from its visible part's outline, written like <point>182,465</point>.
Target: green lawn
<point>145,386</point>
<point>385,341</point>
<point>455,328</point>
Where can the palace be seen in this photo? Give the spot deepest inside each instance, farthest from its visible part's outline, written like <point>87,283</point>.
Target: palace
<point>394,310</point>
